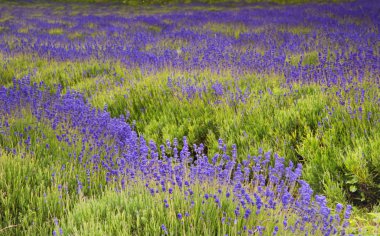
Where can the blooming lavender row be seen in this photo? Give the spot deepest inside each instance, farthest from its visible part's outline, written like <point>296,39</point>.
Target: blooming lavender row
<point>258,185</point>
<point>330,42</point>
<point>188,89</point>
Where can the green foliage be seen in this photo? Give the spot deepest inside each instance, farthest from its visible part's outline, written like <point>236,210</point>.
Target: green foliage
<point>310,58</point>
<point>56,31</point>
<point>35,186</point>
<point>339,150</point>
<point>135,211</point>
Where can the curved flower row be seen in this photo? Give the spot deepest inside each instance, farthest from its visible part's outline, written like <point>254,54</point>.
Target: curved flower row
<point>259,185</point>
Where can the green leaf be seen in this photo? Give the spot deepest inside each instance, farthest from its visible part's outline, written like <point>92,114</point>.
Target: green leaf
<point>352,181</point>
<point>375,215</point>
<point>363,197</point>
<point>353,188</point>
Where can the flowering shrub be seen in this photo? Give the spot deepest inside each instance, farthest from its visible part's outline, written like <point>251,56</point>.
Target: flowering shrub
<point>258,187</point>
<point>158,111</point>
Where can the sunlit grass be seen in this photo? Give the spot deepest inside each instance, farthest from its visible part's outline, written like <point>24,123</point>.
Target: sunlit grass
<point>56,31</point>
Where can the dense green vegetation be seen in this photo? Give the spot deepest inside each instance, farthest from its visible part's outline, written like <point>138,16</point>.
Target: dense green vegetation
<point>275,117</point>
<point>53,177</point>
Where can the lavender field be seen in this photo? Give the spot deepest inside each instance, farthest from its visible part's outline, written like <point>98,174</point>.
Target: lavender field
<point>189,119</point>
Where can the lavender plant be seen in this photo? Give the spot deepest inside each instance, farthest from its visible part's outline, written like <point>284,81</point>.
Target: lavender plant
<point>91,94</point>
<point>233,197</point>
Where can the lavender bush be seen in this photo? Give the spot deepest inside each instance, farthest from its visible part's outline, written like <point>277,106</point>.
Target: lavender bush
<point>189,119</point>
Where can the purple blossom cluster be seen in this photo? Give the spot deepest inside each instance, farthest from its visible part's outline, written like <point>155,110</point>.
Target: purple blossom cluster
<point>190,88</point>
<point>258,185</point>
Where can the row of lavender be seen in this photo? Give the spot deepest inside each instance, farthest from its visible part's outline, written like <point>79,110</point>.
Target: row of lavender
<point>329,48</point>
<point>305,43</point>
<point>125,156</point>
